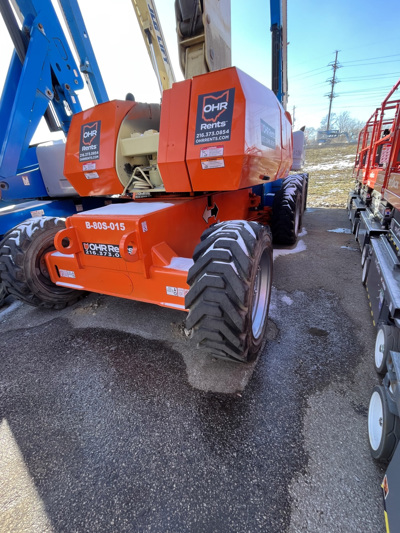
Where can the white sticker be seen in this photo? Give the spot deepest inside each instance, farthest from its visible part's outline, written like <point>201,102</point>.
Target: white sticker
<point>144,226</point>
<point>67,273</point>
<point>212,163</point>
<point>37,213</point>
<point>212,151</point>
<point>172,291</point>
<point>26,181</point>
<point>91,175</point>
<point>182,292</point>
<point>89,166</point>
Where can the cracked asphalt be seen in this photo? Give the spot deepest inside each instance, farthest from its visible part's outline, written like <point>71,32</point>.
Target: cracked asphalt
<point>111,422</point>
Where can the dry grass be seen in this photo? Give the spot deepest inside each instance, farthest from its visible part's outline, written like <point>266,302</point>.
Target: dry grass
<point>330,168</point>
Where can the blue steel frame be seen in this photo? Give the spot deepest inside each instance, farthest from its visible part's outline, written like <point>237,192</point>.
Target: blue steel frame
<point>47,78</point>
<point>277,56</point>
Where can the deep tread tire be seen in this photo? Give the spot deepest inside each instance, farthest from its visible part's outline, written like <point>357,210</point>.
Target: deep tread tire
<point>230,289</point>
<point>3,292</point>
<point>301,182</point>
<point>286,213</point>
<point>23,268</point>
<point>3,289</point>
<point>383,426</point>
<point>387,338</point>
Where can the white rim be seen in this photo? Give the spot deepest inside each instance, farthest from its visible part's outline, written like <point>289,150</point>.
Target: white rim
<point>261,289</point>
<point>375,420</point>
<point>379,348</point>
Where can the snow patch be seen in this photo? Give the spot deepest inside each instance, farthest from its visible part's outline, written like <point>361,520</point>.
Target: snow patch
<point>331,166</point>
<point>300,247</point>
<point>340,230</point>
<point>12,307</point>
<point>303,233</point>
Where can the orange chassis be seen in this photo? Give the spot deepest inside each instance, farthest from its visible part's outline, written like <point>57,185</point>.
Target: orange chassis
<point>140,250</point>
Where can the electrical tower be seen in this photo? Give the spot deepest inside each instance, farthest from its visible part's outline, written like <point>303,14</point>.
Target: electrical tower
<point>335,65</point>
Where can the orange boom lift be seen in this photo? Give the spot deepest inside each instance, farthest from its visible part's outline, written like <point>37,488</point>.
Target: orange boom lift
<point>198,188</point>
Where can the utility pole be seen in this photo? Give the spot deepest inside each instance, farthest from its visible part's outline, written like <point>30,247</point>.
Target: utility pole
<point>335,65</point>
<point>293,115</point>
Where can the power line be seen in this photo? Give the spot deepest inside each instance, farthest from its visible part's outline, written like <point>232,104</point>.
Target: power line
<point>368,59</point>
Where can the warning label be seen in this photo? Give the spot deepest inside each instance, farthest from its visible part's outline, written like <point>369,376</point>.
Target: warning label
<point>214,117</point>
<point>212,163</point>
<point>212,151</point>
<point>267,135</point>
<point>89,147</point>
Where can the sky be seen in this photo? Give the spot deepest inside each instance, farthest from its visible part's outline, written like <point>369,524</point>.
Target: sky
<point>365,33</point>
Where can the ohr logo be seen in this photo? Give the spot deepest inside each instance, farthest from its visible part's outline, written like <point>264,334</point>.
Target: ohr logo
<point>214,106</point>
<point>89,133</point>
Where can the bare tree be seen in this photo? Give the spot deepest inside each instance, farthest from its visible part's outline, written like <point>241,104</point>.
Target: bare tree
<point>324,122</point>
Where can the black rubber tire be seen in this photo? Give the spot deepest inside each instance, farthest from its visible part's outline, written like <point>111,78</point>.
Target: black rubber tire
<point>3,289</point>
<point>22,265</point>
<point>301,183</point>
<point>365,253</point>
<point>364,275</point>
<point>387,338</point>
<point>354,225</point>
<point>3,292</point>
<point>286,214</point>
<point>230,289</point>
<point>383,426</point>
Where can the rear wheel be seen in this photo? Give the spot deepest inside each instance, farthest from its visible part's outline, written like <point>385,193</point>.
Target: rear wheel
<point>230,289</point>
<point>383,432</point>
<point>286,213</point>
<point>387,338</point>
<point>23,266</point>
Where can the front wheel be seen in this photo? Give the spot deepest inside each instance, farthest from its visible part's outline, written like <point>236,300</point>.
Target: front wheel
<point>23,266</point>
<point>230,290</point>
<point>387,338</point>
<point>383,433</point>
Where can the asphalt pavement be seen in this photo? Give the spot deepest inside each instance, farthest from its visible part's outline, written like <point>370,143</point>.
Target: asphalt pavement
<point>110,421</point>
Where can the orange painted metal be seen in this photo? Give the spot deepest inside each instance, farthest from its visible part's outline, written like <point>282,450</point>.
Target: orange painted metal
<point>378,162</point>
<point>238,133</point>
<point>90,151</point>
<point>220,134</point>
<point>171,158</point>
<point>140,250</point>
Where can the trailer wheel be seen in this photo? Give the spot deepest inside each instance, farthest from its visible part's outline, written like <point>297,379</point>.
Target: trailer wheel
<point>387,338</point>
<point>24,270</point>
<point>286,214</point>
<point>365,270</point>
<point>354,225</point>
<point>383,431</point>
<point>230,289</point>
<point>365,254</point>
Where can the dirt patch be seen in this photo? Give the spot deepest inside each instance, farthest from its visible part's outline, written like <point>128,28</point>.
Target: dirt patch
<point>330,168</point>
